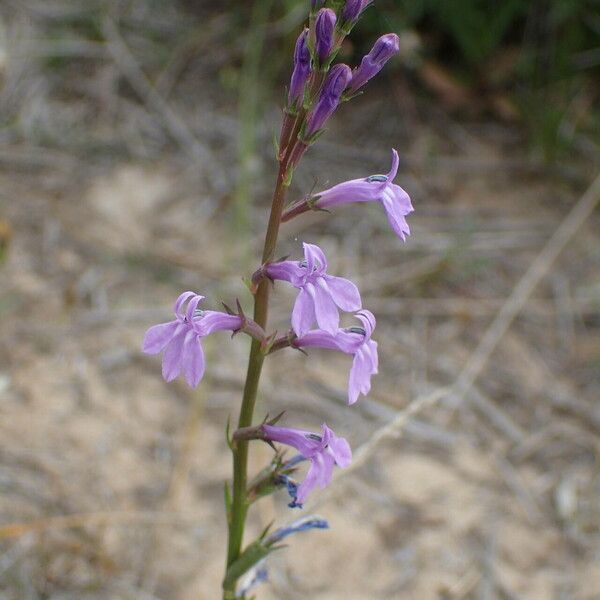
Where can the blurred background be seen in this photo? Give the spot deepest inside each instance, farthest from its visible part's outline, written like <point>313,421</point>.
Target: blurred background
<point>137,160</point>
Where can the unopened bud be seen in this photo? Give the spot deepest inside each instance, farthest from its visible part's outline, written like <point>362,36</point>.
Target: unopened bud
<point>324,27</point>
<point>383,49</point>
<point>337,81</point>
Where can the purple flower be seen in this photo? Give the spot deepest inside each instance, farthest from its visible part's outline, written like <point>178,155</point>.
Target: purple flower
<point>337,81</point>
<point>324,27</point>
<point>180,339</point>
<point>301,70</point>
<point>383,49</point>
<point>351,340</point>
<point>323,451</point>
<point>353,9</point>
<point>320,294</point>
<point>376,188</point>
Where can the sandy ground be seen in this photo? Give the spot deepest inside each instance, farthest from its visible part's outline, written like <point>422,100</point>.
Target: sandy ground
<point>111,481</point>
<point>493,498</point>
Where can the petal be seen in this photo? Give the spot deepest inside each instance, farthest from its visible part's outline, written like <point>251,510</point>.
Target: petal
<point>319,474</point>
<point>341,451</point>
<point>394,168</point>
<point>354,379</point>
<point>303,314</point>
<point>367,318</point>
<point>190,312</point>
<point>370,349</point>
<point>344,293</point>
<point>192,359</point>
<point>171,363</point>
<point>309,483</point>
<point>396,207</point>
<point>364,365</point>
<point>315,258</point>
<point>359,381</point>
<point>328,317</point>
<point>326,435</point>
<point>157,337</point>
<point>181,301</point>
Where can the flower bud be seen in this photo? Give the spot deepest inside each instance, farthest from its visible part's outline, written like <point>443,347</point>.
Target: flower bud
<point>324,27</point>
<point>337,81</point>
<point>383,49</point>
<point>352,10</point>
<point>301,70</point>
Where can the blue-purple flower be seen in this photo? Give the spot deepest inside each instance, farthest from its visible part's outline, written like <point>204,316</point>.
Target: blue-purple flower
<point>180,338</point>
<point>301,70</point>
<point>320,294</point>
<point>383,49</point>
<point>324,28</point>
<point>323,451</point>
<point>350,340</point>
<point>376,188</point>
<point>304,524</point>
<point>337,81</point>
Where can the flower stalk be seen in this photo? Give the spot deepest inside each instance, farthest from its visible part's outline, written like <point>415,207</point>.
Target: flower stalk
<point>316,90</point>
<point>239,502</point>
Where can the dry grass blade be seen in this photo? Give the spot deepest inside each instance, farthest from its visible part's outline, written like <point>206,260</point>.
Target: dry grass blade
<point>14,530</point>
<point>130,69</point>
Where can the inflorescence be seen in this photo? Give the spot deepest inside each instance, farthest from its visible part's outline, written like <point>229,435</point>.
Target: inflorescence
<point>317,88</point>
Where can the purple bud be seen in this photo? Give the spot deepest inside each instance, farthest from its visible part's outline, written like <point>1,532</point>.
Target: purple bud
<point>383,49</point>
<point>353,9</point>
<point>301,69</point>
<point>337,81</point>
<point>324,27</point>
<point>314,4</point>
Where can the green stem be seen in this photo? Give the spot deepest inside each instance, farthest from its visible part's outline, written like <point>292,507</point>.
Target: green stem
<point>239,503</point>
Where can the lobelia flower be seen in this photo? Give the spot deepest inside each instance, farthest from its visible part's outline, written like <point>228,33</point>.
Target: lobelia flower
<point>376,188</point>
<point>320,294</point>
<point>180,338</point>
<point>324,27</point>
<point>351,340</point>
<point>323,451</point>
<point>383,49</point>
<point>301,70</point>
